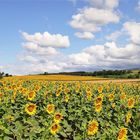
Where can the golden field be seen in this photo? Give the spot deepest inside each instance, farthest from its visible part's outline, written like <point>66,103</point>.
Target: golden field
<point>56,78</point>
<point>33,108</point>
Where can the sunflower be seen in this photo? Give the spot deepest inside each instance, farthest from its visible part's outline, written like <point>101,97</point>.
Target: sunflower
<point>122,134</point>
<point>100,89</point>
<point>123,96</point>
<point>50,108</point>
<point>88,89</point>
<point>137,99</point>
<point>30,108</point>
<point>9,118</point>
<point>58,117</point>
<point>111,97</point>
<point>128,117</point>
<point>31,95</point>
<point>89,95</point>
<point>130,102</point>
<point>99,99</point>
<point>55,127</point>
<point>66,98</point>
<point>58,92</point>
<point>98,107</point>
<point>1,94</point>
<point>92,127</point>
<point>113,105</point>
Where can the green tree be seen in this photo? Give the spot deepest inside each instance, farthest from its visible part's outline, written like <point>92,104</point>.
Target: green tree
<point>1,74</point>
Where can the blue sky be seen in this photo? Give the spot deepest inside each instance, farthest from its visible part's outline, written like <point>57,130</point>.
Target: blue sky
<point>86,28</point>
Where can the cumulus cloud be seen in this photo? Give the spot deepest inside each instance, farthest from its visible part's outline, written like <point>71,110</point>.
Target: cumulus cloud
<point>35,68</point>
<point>108,55</point>
<point>90,19</point>
<point>36,49</point>
<point>104,4</point>
<point>93,18</point>
<point>47,40</point>
<point>114,36</point>
<point>133,28</point>
<point>28,58</point>
<point>84,35</point>
<point>41,52</point>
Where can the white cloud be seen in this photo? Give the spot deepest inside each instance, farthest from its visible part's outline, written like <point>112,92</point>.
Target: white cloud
<point>84,35</point>
<point>93,18</point>
<point>138,6</point>
<point>36,49</point>
<point>133,30</point>
<point>114,36</point>
<point>47,40</point>
<point>108,55</point>
<point>28,58</point>
<point>104,4</point>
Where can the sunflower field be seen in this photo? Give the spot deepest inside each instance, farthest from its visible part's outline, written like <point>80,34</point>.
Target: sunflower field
<point>43,110</point>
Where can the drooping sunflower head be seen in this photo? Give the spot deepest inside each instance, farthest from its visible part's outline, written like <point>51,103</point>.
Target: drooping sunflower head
<point>30,108</point>
<point>58,117</point>
<point>31,95</point>
<point>92,127</point>
<point>50,108</point>
<point>122,134</point>
<point>130,102</point>
<point>55,127</point>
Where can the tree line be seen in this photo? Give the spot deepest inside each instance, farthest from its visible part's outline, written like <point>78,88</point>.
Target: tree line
<point>102,73</point>
<point>2,74</point>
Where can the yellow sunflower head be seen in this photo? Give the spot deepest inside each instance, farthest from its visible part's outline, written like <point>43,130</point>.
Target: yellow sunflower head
<point>122,134</point>
<point>100,89</point>
<point>50,108</point>
<point>1,94</point>
<point>89,95</point>
<point>99,99</point>
<point>137,99</point>
<point>123,96</point>
<point>66,98</point>
<point>130,102</point>
<point>58,117</point>
<point>30,108</point>
<point>98,107</point>
<point>55,127</point>
<point>128,117</point>
<point>92,127</point>
<point>31,95</point>
<point>113,105</point>
<point>111,97</point>
<point>9,118</point>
